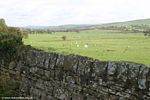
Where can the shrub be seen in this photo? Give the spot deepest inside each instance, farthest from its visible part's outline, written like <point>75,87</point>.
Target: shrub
<point>64,37</point>
<point>147,32</point>
<point>10,38</point>
<point>9,44</point>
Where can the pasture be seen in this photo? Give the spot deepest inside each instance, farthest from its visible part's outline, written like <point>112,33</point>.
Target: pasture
<point>99,44</point>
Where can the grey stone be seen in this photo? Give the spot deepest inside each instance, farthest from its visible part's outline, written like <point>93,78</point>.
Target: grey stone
<point>52,76</point>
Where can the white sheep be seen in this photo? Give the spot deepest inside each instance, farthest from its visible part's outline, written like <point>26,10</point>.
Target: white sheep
<point>76,42</point>
<point>86,45</point>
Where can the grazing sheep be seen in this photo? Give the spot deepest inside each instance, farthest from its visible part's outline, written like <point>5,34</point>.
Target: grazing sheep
<point>77,45</point>
<point>86,45</point>
<point>76,42</point>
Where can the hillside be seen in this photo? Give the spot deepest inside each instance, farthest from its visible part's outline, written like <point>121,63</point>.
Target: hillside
<point>70,27</point>
<point>128,23</point>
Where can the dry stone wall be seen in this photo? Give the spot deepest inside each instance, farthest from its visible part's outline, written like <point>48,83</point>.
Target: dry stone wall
<point>52,76</point>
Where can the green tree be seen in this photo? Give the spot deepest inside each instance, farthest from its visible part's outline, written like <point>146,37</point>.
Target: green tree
<point>64,37</point>
<point>3,26</point>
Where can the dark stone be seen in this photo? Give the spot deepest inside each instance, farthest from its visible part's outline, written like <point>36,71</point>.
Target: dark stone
<point>52,76</point>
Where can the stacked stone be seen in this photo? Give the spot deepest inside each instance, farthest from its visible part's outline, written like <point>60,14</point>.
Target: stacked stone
<point>50,76</point>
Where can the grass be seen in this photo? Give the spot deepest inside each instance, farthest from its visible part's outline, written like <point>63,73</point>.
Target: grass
<point>102,44</point>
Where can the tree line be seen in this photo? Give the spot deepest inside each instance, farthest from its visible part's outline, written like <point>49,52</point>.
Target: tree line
<point>131,28</point>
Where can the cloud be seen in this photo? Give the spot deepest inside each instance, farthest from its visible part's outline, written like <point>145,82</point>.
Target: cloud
<point>56,12</point>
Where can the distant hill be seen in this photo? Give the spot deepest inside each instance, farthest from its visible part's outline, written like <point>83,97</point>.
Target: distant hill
<point>88,26</point>
<point>71,27</point>
<point>37,27</point>
<point>128,23</point>
<point>63,27</point>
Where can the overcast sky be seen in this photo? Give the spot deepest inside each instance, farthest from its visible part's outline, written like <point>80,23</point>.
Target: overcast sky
<point>58,12</point>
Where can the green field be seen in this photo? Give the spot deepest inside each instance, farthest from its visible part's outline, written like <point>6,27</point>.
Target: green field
<point>102,44</point>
